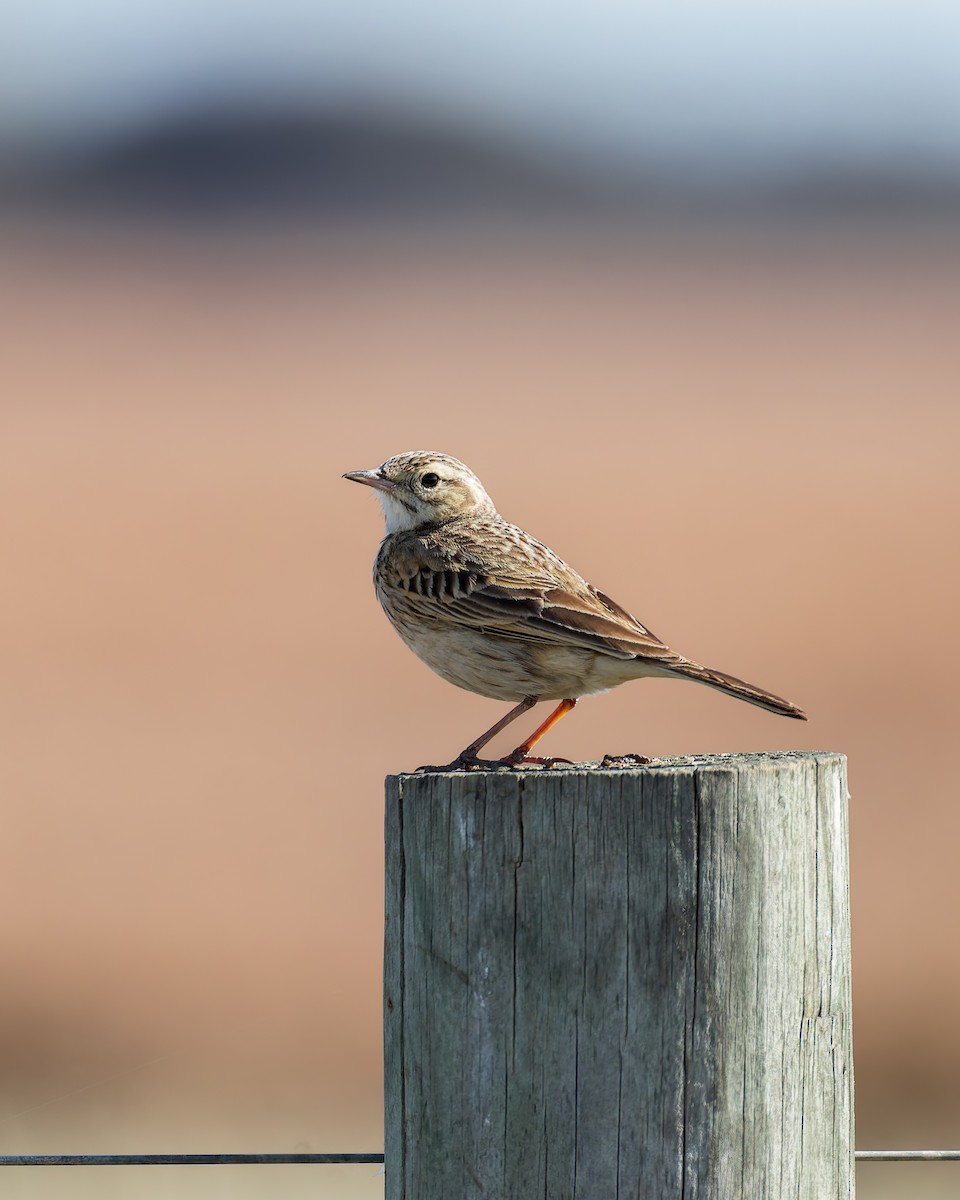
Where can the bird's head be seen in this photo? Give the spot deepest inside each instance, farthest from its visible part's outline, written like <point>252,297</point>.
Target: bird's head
<point>422,487</point>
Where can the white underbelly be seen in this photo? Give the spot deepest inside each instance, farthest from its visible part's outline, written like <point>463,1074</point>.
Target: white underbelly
<point>509,669</point>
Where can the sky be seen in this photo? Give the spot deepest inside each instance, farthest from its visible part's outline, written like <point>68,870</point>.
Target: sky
<point>687,79</point>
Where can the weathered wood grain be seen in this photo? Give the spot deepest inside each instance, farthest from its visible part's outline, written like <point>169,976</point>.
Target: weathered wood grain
<point>620,983</point>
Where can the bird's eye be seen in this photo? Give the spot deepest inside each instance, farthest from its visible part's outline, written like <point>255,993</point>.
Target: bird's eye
<point>430,480</point>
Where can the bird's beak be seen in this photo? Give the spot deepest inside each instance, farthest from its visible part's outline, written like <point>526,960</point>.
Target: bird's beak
<point>372,479</point>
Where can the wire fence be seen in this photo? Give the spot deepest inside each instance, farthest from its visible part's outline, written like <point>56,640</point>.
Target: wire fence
<point>242,1160</point>
<point>181,1160</point>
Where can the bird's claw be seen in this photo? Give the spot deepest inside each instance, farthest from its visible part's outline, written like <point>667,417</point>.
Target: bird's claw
<point>463,762</point>
<point>517,758</point>
<point>468,762</point>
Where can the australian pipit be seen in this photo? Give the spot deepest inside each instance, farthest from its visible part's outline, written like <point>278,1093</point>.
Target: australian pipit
<point>492,610</point>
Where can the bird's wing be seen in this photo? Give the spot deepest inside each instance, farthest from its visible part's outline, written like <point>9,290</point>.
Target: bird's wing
<point>533,597</point>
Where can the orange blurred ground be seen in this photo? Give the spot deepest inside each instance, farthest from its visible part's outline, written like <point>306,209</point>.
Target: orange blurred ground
<point>749,439</point>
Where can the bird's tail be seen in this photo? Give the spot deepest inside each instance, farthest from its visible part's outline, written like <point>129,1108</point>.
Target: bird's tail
<point>736,687</point>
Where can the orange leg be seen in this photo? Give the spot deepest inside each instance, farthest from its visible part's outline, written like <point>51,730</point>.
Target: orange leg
<point>522,752</point>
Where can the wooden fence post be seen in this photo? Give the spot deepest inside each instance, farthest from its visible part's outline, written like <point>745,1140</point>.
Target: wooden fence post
<point>602,984</point>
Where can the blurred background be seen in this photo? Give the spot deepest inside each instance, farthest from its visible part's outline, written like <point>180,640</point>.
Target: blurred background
<point>680,282</point>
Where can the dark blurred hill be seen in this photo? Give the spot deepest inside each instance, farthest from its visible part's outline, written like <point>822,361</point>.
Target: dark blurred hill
<point>303,165</point>
<point>309,166</point>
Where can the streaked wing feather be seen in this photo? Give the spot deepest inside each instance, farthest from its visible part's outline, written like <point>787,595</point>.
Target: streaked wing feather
<point>540,608</point>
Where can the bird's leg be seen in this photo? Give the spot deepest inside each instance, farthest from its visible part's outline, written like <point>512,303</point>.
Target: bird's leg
<point>474,748</point>
<point>468,757</point>
<point>522,752</point>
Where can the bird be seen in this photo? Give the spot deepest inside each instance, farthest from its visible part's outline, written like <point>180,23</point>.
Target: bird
<point>493,610</point>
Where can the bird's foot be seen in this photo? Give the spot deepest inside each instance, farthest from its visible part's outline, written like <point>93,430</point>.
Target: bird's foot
<point>466,762</point>
<point>516,758</point>
<point>463,762</point>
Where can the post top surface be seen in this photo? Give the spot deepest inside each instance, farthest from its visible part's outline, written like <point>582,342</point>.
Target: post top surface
<point>621,765</point>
